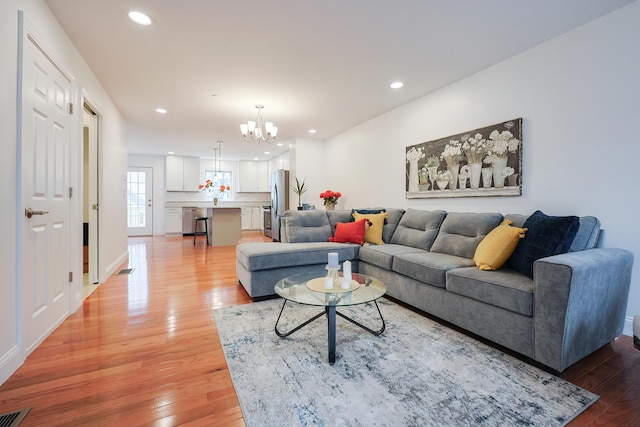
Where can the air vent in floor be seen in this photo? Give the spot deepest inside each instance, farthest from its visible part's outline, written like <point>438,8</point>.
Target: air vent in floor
<point>13,419</point>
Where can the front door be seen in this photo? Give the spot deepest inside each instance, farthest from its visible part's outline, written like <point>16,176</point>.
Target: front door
<point>44,147</point>
<point>139,201</point>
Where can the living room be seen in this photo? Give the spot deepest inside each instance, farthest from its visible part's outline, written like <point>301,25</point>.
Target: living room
<point>577,95</point>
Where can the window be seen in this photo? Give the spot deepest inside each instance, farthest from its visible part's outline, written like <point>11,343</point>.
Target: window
<point>136,198</point>
<point>220,178</point>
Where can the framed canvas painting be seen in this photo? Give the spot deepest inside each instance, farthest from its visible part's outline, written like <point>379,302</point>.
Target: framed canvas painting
<point>481,162</point>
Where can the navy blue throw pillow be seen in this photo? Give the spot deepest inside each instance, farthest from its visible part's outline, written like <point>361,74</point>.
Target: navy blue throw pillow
<point>546,236</point>
<point>366,212</point>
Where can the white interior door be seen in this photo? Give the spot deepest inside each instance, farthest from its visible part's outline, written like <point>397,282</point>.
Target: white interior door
<point>45,146</point>
<point>140,201</point>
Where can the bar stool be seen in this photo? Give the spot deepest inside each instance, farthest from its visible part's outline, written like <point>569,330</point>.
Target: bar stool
<point>200,233</point>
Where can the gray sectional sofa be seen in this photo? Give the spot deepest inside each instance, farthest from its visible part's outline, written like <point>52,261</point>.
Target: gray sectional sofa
<point>573,304</point>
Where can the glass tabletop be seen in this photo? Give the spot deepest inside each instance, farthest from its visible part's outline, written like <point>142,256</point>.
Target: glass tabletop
<point>294,288</point>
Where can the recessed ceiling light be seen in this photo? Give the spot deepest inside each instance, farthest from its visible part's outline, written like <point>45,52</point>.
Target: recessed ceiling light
<point>161,111</point>
<point>279,144</point>
<point>170,152</point>
<point>312,131</point>
<point>396,85</point>
<point>266,152</point>
<point>139,18</point>
<point>255,158</point>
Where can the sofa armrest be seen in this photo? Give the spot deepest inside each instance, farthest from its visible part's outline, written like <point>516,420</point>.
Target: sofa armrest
<point>580,302</point>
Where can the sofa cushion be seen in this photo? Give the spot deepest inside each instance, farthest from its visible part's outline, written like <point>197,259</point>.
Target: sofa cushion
<point>460,233</point>
<point>393,218</point>
<point>349,232</point>
<point>586,237</point>
<point>587,234</point>
<point>337,216</point>
<point>504,288</point>
<point>267,255</point>
<point>418,228</point>
<point>497,246</point>
<point>546,236</point>
<point>382,255</point>
<point>373,234</point>
<point>307,226</point>
<point>428,267</point>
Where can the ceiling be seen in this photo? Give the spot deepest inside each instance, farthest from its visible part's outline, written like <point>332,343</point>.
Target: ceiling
<point>313,64</point>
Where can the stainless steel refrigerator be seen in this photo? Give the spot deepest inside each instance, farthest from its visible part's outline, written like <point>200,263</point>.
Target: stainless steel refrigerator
<point>279,200</point>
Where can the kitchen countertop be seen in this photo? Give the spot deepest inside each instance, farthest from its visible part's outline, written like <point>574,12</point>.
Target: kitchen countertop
<point>208,204</point>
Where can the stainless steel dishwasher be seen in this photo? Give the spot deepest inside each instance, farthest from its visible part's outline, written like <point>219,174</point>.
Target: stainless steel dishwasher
<point>188,214</point>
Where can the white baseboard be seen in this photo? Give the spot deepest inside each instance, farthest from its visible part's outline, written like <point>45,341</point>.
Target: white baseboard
<point>628,326</point>
<point>10,362</point>
<point>111,268</point>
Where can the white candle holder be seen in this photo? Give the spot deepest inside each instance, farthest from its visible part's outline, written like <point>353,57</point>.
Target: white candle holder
<point>332,273</point>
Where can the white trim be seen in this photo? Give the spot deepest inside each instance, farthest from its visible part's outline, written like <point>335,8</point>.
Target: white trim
<point>628,326</point>
<point>10,362</point>
<point>111,268</point>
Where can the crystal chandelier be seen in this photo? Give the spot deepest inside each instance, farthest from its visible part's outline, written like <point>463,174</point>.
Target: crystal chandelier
<point>259,130</point>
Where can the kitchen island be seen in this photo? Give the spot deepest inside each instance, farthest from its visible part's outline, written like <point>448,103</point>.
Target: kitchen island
<point>225,228</point>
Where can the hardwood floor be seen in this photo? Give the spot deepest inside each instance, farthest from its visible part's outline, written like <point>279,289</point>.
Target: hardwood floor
<point>144,350</point>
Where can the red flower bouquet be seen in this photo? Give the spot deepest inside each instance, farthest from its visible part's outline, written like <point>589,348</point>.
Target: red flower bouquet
<point>330,197</point>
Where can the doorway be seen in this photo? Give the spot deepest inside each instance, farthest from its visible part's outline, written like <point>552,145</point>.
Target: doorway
<point>139,201</point>
<point>90,206</point>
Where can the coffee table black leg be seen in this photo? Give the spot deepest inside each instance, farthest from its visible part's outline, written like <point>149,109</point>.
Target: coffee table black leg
<point>374,332</point>
<point>330,312</point>
<point>286,334</point>
<point>331,323</point>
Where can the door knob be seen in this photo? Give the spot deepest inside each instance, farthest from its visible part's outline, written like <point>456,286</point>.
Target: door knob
<point>30,212</point>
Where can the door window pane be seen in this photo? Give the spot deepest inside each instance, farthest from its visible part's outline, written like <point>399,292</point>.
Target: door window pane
<point>136,196</point>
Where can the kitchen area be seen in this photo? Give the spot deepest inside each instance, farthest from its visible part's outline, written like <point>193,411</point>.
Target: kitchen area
<point>177,199</point>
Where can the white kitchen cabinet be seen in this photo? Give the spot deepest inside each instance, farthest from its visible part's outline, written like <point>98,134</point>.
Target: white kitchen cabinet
<point>280,162</point>
<point>257,220</point>
<point>173,220</point>
<point>245,216</point>
<point>263,177</point>
<point>253,176</point>
<point>191,173</point>
<point>182,173</point>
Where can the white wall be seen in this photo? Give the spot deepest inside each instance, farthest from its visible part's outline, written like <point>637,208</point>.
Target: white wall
<point>578,97</point>
<point>113,159</point>
<point>304,161</point>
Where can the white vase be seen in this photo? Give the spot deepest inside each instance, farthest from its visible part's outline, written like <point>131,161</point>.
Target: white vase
<point>476,172</point>
<point>487,175</point>
<point>498,166</point>
<point>453,170</point>
<point>433,172</point>
<point>462,179</point>
<point>413,175</point>
<point>442,184</point>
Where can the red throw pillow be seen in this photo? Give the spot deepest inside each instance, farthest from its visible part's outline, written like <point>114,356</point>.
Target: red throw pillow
<point>349,232</point>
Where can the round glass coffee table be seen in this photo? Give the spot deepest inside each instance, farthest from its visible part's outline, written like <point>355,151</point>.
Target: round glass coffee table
<point>309,289</point>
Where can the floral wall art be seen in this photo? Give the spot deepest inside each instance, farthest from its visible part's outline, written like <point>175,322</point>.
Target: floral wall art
<point>482,162</point>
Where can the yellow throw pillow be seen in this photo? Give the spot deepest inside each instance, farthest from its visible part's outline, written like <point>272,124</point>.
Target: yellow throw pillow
<point>497,246</point>
<point>373,234</point>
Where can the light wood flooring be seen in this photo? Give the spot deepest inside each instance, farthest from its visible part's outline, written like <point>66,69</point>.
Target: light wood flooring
<point>144,350</point>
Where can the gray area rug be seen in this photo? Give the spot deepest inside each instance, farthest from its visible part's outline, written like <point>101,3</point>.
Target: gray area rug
<point>417,373</point>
